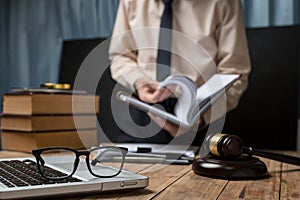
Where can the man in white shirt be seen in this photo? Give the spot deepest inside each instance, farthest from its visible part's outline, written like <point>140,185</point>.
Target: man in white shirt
<point>216,25</point>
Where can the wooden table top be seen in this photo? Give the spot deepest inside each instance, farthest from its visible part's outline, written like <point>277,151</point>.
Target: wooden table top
<point>180,182</point>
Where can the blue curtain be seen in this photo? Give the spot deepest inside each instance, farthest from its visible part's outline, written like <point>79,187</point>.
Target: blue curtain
<point>265,13</point>
<point>32,31</point>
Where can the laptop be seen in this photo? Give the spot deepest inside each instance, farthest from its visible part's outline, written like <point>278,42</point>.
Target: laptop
<point>82,182</point>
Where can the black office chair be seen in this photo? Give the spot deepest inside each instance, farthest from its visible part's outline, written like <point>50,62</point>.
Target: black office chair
<point>268,112</point>
<point>73,54</point>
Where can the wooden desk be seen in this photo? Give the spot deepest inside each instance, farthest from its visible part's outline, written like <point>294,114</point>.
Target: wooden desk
<point>180,182</point>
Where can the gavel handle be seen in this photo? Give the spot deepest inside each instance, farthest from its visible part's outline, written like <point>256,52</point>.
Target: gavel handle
<point>273,156</point>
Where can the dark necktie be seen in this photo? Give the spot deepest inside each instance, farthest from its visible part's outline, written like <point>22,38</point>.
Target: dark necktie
<point>165,42</point>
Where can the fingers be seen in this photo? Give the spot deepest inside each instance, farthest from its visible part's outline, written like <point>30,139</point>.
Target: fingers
<point>163,94</point>
<point>147,92</point>
<point>150,94</point>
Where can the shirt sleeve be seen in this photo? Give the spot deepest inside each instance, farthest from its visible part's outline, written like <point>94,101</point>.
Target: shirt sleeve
<point>122,52</point>
<point>233,55</point>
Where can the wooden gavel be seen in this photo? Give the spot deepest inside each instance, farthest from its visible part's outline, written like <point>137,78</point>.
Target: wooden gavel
<point>231,147</point>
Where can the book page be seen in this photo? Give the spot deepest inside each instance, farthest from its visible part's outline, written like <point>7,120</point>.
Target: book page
<point>186,100</point>
<point>215,84</point>
<point>212,90</point>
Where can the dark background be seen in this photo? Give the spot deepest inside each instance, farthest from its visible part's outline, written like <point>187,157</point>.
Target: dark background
<point>268,111</point>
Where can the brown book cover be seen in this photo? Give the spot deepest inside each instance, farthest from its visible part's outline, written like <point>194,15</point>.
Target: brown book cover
<point>47,122</point>
<point>25,142</point>
<point>45,103</point>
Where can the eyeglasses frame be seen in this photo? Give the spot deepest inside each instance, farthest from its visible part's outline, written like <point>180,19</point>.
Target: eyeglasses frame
<point>37,154</point>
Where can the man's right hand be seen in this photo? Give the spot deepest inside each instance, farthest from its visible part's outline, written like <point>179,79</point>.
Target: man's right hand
<point>148,91</point>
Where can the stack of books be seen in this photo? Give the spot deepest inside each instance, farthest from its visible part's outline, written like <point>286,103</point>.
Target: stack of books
<point>34,120</point>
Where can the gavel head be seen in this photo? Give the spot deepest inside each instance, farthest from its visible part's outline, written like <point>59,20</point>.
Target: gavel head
<point>226,146</point>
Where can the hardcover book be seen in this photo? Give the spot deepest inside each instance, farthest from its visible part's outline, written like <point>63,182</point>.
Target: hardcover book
<point>47,122</point>
<point>29,103</point>
<point>192,101</point>
<point>26,141</point>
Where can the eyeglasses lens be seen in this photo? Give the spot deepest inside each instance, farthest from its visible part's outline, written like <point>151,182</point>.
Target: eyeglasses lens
<point>106,161</point>
<point>67,160</point>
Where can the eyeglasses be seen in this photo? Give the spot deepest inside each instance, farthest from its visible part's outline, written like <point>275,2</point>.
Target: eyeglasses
<point>102,162</point>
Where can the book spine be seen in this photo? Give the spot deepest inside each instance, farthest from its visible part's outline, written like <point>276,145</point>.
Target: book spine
<point>31,104</point>
<point>25,142</point>
<point>48,122</point>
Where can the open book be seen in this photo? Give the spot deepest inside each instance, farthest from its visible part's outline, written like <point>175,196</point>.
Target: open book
<point>193,101</point>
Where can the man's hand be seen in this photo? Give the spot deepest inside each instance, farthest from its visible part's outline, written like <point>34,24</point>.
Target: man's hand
<point>148,91</point>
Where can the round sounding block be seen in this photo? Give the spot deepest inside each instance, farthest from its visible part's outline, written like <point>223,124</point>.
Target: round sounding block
<point>244,167</point>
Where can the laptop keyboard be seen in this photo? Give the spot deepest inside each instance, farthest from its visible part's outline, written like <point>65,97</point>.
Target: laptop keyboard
<point>15,173</point>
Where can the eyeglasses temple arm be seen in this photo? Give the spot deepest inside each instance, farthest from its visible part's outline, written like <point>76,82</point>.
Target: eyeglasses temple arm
<point>96,160</point>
